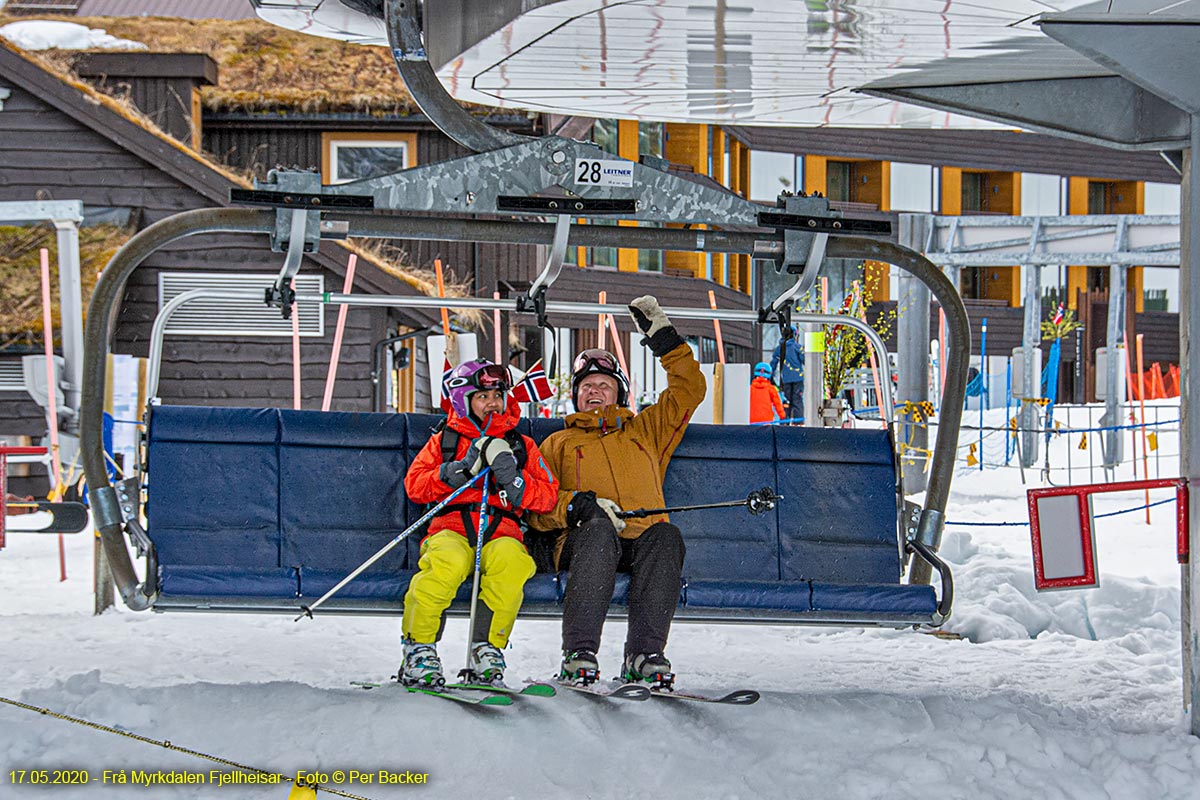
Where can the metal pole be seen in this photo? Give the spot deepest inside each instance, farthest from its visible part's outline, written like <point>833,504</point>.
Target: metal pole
<point>982,384</point>
<point>912,353</point>
<point>814,374</point>
<point>1031,345</point>
<point>1114,450</point>
<point>70,300</point>
<point>1189,431</point>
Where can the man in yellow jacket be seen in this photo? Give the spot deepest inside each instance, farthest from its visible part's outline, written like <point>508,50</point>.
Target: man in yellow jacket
<point>608,459</point>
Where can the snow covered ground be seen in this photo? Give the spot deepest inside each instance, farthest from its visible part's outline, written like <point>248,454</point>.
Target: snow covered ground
<point>1072,694</point>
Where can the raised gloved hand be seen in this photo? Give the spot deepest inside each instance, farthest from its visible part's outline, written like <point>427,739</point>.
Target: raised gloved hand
<point>508,477</point>
<point>658,332</point>
<point>611,508</point>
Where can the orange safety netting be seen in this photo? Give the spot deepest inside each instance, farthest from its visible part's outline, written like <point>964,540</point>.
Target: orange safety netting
<point>1154,383</point>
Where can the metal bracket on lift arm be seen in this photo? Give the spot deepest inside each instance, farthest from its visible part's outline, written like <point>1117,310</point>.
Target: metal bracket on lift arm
<point>798,244</point>
<point>534,301</point>
<point>299,226</point>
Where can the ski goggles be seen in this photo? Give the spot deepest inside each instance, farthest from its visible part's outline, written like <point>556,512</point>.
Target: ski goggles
<point>595,360</point>
<point>493,376</point>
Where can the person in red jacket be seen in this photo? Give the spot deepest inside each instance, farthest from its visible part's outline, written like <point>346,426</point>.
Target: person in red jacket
<point>765,405</point>
<point>480,431</point>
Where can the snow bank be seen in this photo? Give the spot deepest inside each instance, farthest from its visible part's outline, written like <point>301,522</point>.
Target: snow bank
<point>1063,695</point>
<point>40,34</point>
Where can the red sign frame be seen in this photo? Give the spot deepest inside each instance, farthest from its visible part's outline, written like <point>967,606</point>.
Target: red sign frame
<point>1082,493</point>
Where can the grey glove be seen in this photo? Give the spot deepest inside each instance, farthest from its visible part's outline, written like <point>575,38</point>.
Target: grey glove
<point>455,473</point>
<point>508,477</point>
<point>658,332</point>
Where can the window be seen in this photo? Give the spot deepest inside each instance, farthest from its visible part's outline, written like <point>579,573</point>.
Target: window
<point>972,192</point>
<point>650,139</point>
<point>604,135</point>
<point>249,317</point>
<point>838,177</point>
<point>355,156</point>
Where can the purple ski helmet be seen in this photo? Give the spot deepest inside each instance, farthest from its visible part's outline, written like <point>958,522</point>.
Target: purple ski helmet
<point>470,377</point>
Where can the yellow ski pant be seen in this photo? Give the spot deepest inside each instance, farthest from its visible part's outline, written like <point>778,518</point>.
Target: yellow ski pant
<point>447,559</point>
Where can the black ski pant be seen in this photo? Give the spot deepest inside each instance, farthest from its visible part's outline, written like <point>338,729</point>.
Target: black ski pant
<point>794,394</point>
<point>593,554</point>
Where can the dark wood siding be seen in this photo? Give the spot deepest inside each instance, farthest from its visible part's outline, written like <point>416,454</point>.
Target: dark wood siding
<point>1160,337</point>
<point>259,149</point>
<point>44,153</point>
<point>166,101</point>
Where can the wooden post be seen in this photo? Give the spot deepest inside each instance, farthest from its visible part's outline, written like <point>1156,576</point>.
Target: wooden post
<point>600,328</point>
<point>52,402</point>
<point>296,387</point>
<point>718,394</point>
<point>712,303</point>
<point>496,329</point>
<point>1142,402</point>
<point>331,377</point>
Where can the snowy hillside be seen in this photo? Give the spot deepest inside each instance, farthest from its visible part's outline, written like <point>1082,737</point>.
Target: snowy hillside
<point>1071,694</point>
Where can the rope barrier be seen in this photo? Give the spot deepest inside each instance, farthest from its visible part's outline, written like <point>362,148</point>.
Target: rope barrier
<point>1026,524</point>
<point>176,748</point>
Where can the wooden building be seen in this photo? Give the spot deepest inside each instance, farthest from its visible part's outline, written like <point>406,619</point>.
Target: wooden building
<point>61,139</point>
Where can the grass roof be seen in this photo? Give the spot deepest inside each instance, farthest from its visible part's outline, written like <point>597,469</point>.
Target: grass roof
<point>265,68</point>
<point>20,276</point>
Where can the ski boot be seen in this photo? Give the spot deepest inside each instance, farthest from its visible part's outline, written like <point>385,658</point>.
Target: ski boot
<point>487,665</point>
<point>579,666</point>
<point>653,668</point>
<point>421,666</point>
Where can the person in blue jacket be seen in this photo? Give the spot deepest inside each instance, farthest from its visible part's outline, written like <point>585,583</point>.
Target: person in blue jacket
<point>788,359</point>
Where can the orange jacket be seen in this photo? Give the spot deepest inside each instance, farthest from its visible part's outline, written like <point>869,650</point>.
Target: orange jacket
<point>424,484</point>
<point>765,405</point>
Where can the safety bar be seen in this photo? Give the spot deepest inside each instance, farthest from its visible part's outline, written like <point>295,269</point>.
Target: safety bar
<point>946,601</point>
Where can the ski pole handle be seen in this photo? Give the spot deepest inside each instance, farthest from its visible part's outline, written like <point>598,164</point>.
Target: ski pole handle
<point>428,515</point>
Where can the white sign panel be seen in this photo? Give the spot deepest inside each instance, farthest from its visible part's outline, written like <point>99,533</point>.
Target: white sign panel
<point>597,172</point>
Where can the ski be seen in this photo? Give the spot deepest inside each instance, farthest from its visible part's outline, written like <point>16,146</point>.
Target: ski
<point>532,689</point>
<point>497,699</point>
<point>740,697</point>
<point>64,517</point>
<point>620,691</point>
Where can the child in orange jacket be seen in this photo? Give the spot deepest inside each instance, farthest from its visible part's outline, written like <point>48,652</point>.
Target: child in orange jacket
<point>765,405</point>
<point>483,419</point>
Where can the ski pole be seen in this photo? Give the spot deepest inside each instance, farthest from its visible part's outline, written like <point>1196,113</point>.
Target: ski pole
<point>428,515</point>
<point>468,674</point>
<point>758,502</point>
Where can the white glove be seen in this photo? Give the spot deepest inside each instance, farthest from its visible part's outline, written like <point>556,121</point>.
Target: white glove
<point>611,508</point>
<point>648,316</point>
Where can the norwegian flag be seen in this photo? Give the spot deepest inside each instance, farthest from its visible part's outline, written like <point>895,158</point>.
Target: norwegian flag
<point>1058,315</point>
<point>446,371</point>
<point>534,387</point>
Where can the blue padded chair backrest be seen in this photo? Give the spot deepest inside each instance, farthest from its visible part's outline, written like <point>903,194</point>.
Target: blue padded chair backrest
<point>712,464</point>
<point>341,488</point>
<point>837,521</point>
<point>539,428</point>
<point>214,491</point>
<point>420,428</point>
